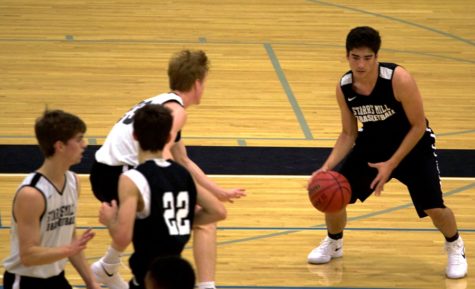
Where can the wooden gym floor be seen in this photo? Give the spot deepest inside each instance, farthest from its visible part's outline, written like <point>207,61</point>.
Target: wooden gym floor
<point>275,65</point>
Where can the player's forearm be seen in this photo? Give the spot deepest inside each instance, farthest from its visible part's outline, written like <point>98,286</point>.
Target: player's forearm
<point>408,143</point>
<point>120,237</point>
<point>201,178</point>
<point>343,145</point>
<point>79,262</point>
<point>37,255</point>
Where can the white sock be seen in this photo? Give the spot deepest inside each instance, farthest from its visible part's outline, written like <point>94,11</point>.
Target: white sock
<point>112,256</point>
<point>207,285</point>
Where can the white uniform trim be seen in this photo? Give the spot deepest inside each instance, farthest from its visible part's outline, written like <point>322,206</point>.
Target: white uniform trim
<point>385,72</point>
<point>142,185</point>
<point>346,79</point>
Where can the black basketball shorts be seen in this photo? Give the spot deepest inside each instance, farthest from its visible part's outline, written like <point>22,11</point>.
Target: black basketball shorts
<point>419,171</point>
<point>105,181</point>
<point>11,280</point>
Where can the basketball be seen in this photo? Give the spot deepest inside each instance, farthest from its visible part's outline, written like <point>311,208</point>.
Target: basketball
<point>329,191</point>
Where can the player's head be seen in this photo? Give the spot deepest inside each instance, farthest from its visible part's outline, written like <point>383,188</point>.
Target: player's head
<point>57,125</point>
<point>152,125</point>
<point>363,37</point>
<point>170,273</point>
<point>187,69</point>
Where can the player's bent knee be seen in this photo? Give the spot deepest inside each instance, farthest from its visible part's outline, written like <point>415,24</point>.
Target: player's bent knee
<point>438,213</point>
<point>222,213</point>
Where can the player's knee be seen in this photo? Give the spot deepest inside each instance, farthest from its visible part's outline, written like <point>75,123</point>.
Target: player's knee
<point>221,213</point>
<point>438,214</point>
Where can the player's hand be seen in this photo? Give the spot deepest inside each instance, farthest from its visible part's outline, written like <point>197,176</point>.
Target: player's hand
<point>322,169</point>
<point>108,213</point>
<point>231,194</point>
<point>79,244</point>
<point>384,172</point>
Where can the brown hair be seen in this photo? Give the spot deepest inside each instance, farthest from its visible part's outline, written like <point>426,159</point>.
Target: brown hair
<point>56,125</point>
<point>152,125</point>
<point>185,68</point>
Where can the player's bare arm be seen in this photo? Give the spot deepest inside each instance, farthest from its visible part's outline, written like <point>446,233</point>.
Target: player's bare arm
<point>405,91</point>
<point>210,209</point>
<point>346,139</point>
<point>79,261</point>
<point>120,220</point>
<point>28,208</point>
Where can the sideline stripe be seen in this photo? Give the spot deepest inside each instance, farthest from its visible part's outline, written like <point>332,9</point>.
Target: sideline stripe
<point>303,177</point>
<point>470,179</point>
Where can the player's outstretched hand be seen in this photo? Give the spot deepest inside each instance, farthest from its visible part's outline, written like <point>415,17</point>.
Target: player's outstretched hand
<point>79,244</point>
<point>231,194</point>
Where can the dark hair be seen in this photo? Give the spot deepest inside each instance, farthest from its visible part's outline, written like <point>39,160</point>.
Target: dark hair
<point>363,36</point>
<point>152,125</point>
<point>185,68</point>
<point>172,272</point>
<point>56,125</point>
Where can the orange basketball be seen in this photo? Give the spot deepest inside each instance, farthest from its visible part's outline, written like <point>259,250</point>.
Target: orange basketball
<point>329,191</point>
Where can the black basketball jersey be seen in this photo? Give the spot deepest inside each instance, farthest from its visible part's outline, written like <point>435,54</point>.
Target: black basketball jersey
<point>167,227</point>
<point>384,120</point>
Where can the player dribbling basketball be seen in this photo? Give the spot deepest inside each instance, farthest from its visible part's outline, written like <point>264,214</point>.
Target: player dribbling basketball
<point>395,141</point>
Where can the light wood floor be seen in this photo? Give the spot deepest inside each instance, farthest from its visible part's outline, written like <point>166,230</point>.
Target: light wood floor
<point>275,65</point>
<point>265,240</point>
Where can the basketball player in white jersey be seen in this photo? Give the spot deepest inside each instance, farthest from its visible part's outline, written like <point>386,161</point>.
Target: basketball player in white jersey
<point>187,73</point>
<point>157,199</point>
<point>43,227</point>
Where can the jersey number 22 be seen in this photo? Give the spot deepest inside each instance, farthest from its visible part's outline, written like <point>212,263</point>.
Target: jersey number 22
<point>176,213</point>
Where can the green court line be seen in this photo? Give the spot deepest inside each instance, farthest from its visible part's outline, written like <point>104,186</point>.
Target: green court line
<point>364,216</point>
<point>446,34</point>
<point>288,91</point>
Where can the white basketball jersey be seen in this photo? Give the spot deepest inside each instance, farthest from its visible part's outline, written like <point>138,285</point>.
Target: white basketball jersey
<point>120,148</point>
<point>57,225</point>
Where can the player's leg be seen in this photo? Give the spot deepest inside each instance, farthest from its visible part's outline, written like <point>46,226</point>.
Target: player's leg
<point>359,175</point>
<point>104,183</point>
<point>204,253</point>
<point>420,172</point>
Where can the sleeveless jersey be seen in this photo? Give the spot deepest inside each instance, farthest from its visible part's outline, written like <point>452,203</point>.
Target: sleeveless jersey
<point>120,148</point>
<point>164,226</point>
<point>57,224</point>
<point>385,123</point>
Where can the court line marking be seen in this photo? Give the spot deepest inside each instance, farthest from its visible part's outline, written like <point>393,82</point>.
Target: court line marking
<point>446,34</point>
<point>288,91</point>
<point>222,42</point>
<point>319,226</point>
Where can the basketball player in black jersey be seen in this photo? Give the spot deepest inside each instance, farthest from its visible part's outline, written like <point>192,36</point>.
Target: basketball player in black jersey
<point>157,199</point>
<point>394,142</point>
<point>187,74</point>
